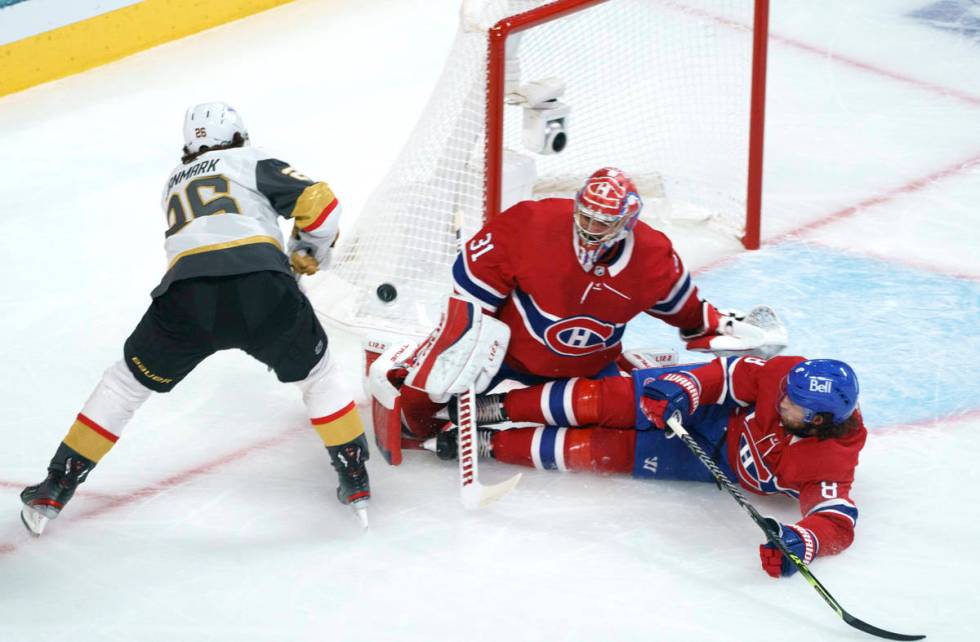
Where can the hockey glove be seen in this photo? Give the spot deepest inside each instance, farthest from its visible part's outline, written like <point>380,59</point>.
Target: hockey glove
<point>715,323</point>
<point>760,333</point>
<point>672,394</point>
<point>317,250</point>
<point>303,263</point>
<point>800,541</point>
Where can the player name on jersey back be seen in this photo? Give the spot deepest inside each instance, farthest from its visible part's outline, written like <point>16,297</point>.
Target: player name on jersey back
<point>197,169</point>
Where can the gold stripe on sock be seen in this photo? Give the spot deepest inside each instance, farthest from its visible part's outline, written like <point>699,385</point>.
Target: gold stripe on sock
<point>87,442</point>
<point>340,427</point>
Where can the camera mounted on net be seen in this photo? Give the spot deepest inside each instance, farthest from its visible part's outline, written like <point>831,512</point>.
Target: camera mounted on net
<point>546,119</point>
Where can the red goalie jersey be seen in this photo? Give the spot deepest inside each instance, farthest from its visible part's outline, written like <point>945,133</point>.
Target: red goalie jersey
<point>565,321</point>
<point>769,460</point>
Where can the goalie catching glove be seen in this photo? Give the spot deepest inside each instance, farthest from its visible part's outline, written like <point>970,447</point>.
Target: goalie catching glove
<point>760,333</point>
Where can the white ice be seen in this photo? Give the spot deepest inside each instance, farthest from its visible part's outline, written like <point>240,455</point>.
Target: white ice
<point>214,518</point>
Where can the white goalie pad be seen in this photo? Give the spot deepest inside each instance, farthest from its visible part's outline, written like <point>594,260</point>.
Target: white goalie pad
<point>761,334</point>
<point>380,387</point>
<point>466,350</point>
<point>642,358</point>
<point>386,399</point>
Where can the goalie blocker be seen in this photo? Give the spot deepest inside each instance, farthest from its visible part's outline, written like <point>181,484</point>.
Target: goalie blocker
<point>465,351</point>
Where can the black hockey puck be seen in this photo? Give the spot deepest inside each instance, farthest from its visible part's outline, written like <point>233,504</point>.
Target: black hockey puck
<point>387,292</point>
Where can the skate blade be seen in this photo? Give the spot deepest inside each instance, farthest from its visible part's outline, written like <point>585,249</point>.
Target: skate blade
<point>33,520</point>
<point>360,511</point>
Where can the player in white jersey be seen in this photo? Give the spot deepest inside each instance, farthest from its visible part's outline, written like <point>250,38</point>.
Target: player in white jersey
<point>228,284</point>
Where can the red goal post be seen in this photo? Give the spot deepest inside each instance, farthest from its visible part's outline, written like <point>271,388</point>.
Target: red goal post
<point>672,91</point>
<point>496,82</point>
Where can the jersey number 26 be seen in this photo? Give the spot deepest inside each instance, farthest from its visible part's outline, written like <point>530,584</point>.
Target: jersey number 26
<point>205,196</point>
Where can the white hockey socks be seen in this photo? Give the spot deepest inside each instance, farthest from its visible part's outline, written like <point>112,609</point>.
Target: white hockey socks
<point>330,404</point>
<point>110,407</point>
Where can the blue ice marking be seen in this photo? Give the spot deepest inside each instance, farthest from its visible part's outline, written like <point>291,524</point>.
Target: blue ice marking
<point>958,16</point>
<point>912,336</point>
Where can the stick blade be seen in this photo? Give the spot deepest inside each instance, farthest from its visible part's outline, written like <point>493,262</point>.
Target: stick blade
<point>861,625</point>
<point>477,495</point>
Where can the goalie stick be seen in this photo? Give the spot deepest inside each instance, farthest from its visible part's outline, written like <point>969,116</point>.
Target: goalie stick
<point>675,425</point>
<point>471,491</point>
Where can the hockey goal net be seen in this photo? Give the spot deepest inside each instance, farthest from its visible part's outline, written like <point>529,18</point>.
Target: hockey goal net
<point>669,90</point>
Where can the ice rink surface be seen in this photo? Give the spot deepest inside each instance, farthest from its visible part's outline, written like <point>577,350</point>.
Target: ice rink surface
<point>214,519</point>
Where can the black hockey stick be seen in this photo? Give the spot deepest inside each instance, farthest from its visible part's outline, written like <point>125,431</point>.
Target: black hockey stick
<point>675,425</point>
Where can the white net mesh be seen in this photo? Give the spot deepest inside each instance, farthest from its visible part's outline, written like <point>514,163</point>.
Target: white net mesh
<point>659,88</point>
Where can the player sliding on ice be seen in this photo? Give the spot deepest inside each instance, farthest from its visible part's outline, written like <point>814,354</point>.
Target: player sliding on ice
<point>228,285</point>
<point>780,426</point>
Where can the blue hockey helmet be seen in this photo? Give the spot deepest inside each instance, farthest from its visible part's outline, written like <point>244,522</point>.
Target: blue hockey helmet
<point>823,385</point>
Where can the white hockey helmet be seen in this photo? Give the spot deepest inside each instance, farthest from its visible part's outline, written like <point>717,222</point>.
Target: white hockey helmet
<point>211,125</point>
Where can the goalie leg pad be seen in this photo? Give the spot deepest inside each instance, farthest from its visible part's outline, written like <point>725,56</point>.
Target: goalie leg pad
<point>417,412</point>
<point>394,405</point>
<point>387,429</point>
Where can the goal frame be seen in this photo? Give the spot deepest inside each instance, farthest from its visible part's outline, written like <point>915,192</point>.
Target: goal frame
<point>496,74</point>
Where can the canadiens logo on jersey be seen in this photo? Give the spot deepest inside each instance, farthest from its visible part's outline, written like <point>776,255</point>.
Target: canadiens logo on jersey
<point>751,463</point>
<point>579,336</point>
<point>571,337</point>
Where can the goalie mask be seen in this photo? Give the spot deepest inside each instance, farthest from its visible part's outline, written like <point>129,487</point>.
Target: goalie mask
<point>606,210</point>
<point>211,125</point>
<point>823,385</point>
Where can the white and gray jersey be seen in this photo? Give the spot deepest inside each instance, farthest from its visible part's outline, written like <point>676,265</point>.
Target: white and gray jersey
<point>222,213</point>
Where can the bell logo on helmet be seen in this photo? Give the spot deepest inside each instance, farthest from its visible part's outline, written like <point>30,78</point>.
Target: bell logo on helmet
<point>821,384</point>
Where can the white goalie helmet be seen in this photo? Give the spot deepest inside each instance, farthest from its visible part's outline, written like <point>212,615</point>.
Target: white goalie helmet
<point>211,125</point>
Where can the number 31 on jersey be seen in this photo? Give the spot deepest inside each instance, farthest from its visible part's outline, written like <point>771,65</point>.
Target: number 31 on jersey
<point>479,247</point>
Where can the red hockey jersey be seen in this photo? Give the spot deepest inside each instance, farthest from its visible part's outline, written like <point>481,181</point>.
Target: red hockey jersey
<point>566,322</point>
<point>768,460</point>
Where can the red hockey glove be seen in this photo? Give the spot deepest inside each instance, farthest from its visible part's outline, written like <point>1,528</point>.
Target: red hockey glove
<point>800,541</point>
<point>671,394</point>
<point>714,323</point>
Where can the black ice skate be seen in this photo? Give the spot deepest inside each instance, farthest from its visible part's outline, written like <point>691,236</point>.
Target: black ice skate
<point>489,410</point>
<point>43,502</point>
<point>445,447</point>
<point>355,488</point>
